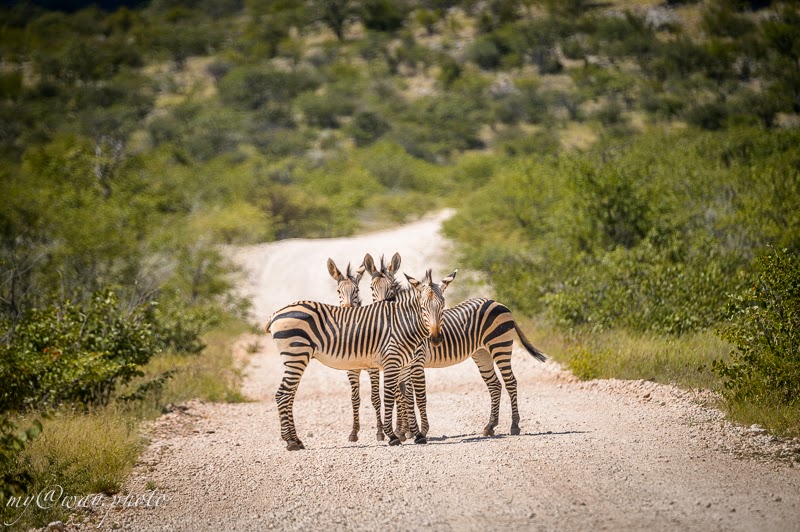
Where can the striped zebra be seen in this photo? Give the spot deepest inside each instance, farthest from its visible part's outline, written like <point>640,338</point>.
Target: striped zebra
<point>479,328</point>
<point>349,296</point>
<point>384,335</point>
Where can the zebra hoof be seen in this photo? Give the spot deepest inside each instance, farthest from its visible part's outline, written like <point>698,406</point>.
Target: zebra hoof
<point>394,440</point>
<point>400,436</point>
<point>515,431</point>
<point>294,445</point>
<point>421,439</point>
<point>488,431</point>
<point>380,436</point>
<point>353,437</point>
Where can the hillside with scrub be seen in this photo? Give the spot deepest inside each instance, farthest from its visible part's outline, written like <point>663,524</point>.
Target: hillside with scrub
<point>625,175</point>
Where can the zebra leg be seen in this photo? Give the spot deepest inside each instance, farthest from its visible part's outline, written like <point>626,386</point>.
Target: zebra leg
<point>353,376</point>
<point>418,382</point>
<point>401,406</point>
<point>413,428</point>
<point>390,378</point>
<point>375,396</point>
<point>503,361</point>
<point>484,362</point>
<point>293,367</point>
<point>408,416</point>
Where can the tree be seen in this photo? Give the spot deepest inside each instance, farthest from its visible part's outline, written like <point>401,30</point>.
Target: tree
<point>335,14</point>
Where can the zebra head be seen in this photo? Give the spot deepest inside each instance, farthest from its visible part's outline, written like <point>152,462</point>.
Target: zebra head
<point>347,284</point>
<point>431,300</point>
<point>384,286</point>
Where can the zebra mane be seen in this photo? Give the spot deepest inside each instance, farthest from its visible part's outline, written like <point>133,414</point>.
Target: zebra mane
<point>428,277</point>
<point>348,273</point>
<point>395,287</point>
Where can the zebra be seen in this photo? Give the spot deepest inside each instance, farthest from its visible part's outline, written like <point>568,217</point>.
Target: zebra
<point>383,335</point>
<point>349,296</point>
<point>479,328</point>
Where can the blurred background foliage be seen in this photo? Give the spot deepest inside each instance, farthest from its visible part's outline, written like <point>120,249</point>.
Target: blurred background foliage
<point>616,166</point>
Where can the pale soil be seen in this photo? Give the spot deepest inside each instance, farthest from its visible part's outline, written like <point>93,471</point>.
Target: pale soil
<point>612,455</point>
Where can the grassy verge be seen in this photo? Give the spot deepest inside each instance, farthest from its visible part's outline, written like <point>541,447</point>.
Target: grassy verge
<point>93,452</point>
<point>78,453</point>
<point>683,361</point>
<point>768,412</point>
<point>213,375</point>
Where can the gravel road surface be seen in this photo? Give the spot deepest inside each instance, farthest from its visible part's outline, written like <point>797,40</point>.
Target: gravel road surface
<point>617,455</point>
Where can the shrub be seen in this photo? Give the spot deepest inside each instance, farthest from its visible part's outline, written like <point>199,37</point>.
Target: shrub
<point>450,70</point>
<point>720,20</point>
<point>250,88</point>
<point>74,353</point>
<point>324,110</point>
<point>393,168</point>
<point>367,127</point>
<point>664,287</point>
<point>710,116</point>
<point>383,15</point>
<point>765,333</point>
<point>515,142</point>
<point>485,53</point>
<point>13,481</point>
<point>215,131</point>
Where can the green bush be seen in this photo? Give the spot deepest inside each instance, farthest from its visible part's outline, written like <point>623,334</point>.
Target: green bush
<point>710,116</point>
<point>485,53</point>
<point>367,127</point>
<point>514,142</point>
<point>634,236</point>
<point>765,333</point>
<point>14,481</point>
<point>252,87</point>
<point>393,168</point>
<point>664,287</point>
<point>74,353</point>
<point>324,110</point>
<point>383,15</point>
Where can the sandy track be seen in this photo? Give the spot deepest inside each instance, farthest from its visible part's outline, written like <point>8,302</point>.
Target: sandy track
<point>606,454</point>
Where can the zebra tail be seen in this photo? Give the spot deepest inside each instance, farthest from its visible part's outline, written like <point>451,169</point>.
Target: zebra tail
<point>538,355</point>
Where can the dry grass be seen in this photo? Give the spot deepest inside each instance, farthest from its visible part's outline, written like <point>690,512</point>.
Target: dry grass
<point>212,375</point>
<point>772,414</point>
<point>577,136</point>
<point>684,361</point>
<point>78,453</point>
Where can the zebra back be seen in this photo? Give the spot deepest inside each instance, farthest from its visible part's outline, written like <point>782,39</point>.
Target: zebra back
<point>351,332</point>
<point>474,324</point>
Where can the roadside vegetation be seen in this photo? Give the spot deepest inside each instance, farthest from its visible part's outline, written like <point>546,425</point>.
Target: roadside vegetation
<point>625,173</point>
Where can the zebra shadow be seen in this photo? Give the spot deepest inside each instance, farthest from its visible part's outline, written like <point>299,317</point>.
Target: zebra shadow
<point>472,438</point>
<point>453,440</point>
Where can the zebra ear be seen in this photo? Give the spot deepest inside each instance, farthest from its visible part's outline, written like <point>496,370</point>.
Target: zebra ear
<point>334,271</point>
<point>447,280</point>
<point>413,282</point>
<point>395,264</point>
<point>359,273</point>
<point>369,264</point>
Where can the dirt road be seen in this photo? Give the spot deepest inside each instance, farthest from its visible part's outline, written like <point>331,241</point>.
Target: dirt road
<point>599,455</point>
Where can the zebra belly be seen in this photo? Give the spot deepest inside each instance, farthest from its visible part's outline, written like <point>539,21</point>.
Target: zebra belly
<point>370,361</point>
<point>445,356</point>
